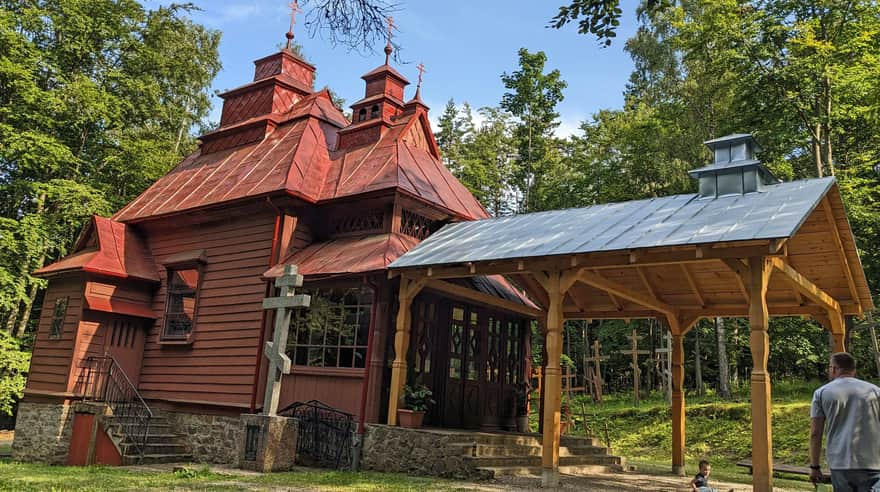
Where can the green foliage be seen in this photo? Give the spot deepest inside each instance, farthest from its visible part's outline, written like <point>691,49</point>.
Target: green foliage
<point>417,397</point>
<point>13,365</point>
<point>97,99</point>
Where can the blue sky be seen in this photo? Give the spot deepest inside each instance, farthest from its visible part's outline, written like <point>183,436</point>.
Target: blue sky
<point>465,46</point>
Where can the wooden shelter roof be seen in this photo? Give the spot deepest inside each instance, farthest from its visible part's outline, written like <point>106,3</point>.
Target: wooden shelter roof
<point>110,248</point>
<point>680,254</point>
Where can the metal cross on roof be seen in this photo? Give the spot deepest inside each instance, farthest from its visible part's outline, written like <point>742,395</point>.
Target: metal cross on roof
<point>390,29</point>
<point>294,9</point>
<point>421,69</point>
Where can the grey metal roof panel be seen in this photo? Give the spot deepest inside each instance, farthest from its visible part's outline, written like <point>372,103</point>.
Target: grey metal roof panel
<point>776,212</point>
<point>717,166</point>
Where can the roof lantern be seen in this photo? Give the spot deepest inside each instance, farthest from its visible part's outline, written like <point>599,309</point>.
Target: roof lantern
<point>735,170</point>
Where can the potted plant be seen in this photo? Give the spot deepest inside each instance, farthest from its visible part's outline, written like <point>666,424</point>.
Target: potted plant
<point>416,399</point>
<point>522,407</point>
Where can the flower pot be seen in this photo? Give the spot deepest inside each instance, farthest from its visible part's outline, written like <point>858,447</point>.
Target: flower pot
<point>522,423</point>
<point>410,418</point>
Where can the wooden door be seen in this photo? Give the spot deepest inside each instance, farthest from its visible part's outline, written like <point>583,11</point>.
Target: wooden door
<point>474,373</point>
<point>124,341</point>
<point>493,378</point>
<point>456,337</point>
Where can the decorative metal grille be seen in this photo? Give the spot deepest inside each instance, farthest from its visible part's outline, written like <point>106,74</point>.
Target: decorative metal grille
<point>371,221</point>
<point>325,433</point>
<point>251,441</point>
<point>415,225</point>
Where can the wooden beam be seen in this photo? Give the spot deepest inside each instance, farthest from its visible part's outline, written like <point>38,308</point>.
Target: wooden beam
<point>476,296</point>
<point>594,261</point>
<point>693,284</point>
<point>647,284</point>
<point>838,244</point>
<point>742,275</point>
<point>617,304</point>
<point>596,280</point>
<point>810,290</point>
<point>407,291</point>
<point>762,441</point>
<point>678,403</point>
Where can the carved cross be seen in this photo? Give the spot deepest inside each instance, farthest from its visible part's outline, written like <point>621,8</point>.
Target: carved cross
<point>635,352</point>
<point>279,362</point>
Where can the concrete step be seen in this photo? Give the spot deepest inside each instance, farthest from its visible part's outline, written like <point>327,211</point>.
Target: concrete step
<point>490,450</point>
<point>498,471</point>
<point>512,438</point>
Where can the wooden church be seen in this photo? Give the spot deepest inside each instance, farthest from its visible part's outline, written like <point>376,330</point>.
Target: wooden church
<point>168,292</point>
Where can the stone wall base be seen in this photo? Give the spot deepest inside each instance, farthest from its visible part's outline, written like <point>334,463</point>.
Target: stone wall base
<point>42,432</point>
<point>273,443</point>
<point>414,451</point>
<point>209,438</point>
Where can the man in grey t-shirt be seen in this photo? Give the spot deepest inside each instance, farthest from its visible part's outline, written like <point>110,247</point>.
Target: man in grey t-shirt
<point>848,409</point>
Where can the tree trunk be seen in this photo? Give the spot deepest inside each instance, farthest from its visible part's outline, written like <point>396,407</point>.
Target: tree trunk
<point>11,320</point>
<point>698,368</point>
<point>25,314</point>
<point>826,130</point>
<point>734,364</point>
<point>817,150</point>
<point>723,367</point>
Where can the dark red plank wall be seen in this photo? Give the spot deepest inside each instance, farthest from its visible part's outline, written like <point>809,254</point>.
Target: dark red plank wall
<point>50,364</point>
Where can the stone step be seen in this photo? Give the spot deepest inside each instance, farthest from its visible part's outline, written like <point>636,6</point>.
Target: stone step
<point>512,438</point>
<point>528,461</point>
<point>488,450</point>
<point>154,448</point>
<point>157,458</point>
<point>498,471</point>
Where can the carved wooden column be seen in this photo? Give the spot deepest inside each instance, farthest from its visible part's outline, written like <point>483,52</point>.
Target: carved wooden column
<point>552,384</point>
<point>838,330</point>
<point>762,440</point>
<point>408,290</point>
<point>678,403</point>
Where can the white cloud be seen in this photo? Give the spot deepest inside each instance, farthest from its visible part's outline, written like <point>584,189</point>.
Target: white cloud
<point>570,125</point>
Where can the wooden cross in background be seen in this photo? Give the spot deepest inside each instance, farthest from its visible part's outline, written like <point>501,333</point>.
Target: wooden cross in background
<point>665,353</point>
<point>279,362</point>
<point>594,374</point>
<point>635,352</point>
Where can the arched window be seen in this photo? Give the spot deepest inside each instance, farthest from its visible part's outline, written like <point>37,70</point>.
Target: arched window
<point>362,114</point>
<point>374,111</point>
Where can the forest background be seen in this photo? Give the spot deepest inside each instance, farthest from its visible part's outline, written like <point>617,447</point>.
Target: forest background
<point>96,103</point>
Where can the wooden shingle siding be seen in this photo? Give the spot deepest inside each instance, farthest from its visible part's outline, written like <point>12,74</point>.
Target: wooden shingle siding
<point>218,366</point>
<point>51,361</point>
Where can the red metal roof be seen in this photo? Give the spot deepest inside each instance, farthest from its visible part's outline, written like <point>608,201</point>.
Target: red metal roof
<point>347,255</point>
<point>116,251</point>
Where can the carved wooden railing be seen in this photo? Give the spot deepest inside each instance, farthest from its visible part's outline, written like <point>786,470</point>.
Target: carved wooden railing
<point>103,380</point>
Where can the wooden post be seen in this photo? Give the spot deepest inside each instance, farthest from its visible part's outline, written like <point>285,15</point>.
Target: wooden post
<point>408,290</point>
<point>279,363</point>
<point>552,386</point>
<point>762,440</point>
<point>838,330</point>
<point>678,416</point>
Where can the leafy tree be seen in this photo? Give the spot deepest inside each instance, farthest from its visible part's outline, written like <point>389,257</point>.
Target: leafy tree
<point>97,99</point>
<point>487,162</point>
<point>13,366</point>
<point>531,98</point>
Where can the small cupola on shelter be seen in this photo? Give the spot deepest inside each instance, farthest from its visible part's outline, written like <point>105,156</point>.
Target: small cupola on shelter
<point>735,170</point>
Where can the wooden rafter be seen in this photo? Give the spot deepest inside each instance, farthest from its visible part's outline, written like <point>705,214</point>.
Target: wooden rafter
<point>612,287</point>
<point>797,293</point>
<point>835,234</point>
<point>810,290</point>
<point>694,288</point>
<point>617,304</point>
<point>647,284</point>
<point>741,272</point>
<point>473,295</point>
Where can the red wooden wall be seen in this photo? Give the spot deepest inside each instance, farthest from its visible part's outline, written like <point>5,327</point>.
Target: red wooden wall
<point>218,366</point>
<point>51,362</point>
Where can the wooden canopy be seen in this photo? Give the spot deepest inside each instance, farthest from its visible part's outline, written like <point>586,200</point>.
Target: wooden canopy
<point>814,271</point>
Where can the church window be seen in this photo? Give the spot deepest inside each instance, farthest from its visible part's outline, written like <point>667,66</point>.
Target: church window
<point>180,303</point>
<point>374,111</point>
<point>333,330</point>
<point>58,317</point>
<point>362,114</point>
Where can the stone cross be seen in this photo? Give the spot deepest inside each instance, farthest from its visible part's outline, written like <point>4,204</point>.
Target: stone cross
<point>279,362</point>
<point>635,352</point>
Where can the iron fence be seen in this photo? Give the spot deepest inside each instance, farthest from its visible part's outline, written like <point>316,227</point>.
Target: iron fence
<point>325,433</point>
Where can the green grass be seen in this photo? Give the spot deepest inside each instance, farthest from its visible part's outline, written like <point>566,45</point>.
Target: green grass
<point>28,477</point>
<point>715,429</point>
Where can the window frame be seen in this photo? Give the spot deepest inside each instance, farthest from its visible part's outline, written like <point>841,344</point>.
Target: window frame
<point>364,311</point>
<point>199,266</point>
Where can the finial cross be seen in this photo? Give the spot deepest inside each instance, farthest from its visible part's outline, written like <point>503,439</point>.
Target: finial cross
<point>294,9</point>
<point>391,26</point>
<point>421,69</point>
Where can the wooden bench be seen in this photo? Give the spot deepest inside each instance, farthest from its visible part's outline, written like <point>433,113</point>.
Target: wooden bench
<point>783,468</point>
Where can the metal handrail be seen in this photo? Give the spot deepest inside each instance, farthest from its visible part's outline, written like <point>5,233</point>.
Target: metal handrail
<point>105,381</point>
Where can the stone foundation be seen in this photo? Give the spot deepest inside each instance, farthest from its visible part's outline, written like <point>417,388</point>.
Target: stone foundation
<point>42,432</point>
<point>415,451</point>
<point>274,443</point>
<point>210,438</point>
